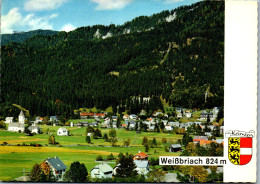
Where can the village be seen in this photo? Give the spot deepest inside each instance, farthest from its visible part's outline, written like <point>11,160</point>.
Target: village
<point>161,134</point>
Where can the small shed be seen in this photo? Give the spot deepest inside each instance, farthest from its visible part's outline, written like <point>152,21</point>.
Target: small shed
<point>175,148</point>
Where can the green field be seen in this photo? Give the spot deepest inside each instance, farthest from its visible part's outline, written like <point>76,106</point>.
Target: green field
<point>13,159</point>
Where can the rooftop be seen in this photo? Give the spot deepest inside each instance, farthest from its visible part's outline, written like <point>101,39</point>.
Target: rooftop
<point>105,168</point>
<point>56,163</point>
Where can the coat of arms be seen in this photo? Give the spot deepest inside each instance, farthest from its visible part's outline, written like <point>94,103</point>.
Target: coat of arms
<point>240,150</point>
<point>240,147</point>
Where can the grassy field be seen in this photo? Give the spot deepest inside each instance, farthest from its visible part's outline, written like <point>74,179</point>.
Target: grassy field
<point>13,159</point>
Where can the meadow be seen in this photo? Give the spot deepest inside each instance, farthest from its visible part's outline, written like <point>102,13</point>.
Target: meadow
<point>16,159</point>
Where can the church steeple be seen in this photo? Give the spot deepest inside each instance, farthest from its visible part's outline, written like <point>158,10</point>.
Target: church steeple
<point>21,113</point>
<point>21,117</point>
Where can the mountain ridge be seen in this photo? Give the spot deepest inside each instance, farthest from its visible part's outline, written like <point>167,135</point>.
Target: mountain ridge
<point>179,61</point>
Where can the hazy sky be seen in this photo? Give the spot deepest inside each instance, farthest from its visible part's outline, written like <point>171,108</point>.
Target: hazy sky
<point>67,15</point>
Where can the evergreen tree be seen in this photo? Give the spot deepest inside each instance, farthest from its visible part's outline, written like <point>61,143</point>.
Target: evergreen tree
<point>186,139</point>
<point>105,137</point>
<point>127,167</point>
<point>145,141</point>
<point>36,173</point>
<point>77,173</point>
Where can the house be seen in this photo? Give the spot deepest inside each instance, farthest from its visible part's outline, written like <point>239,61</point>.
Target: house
<point>34,129</point>
<point>142,113</point>
<point>62,132</point>
<point>39,119</point>
<point>141,156</point>
<point>85,115</point>
<point>176,124</point>
<point>102,171</point>
<point>208,134</point>
<point>56,166</point>
<point>114,125</point>
<point>9,119</point>
<point>219,141</point>
<point>126,117</point>
<point>179,115</point>
<point>54,118</point>
<point>150,119</point>
<point>114,118</point>
<point>175,148</point>
<point>168,128</point>
<point>165,122</point>
<point>16,127</point>
<point>104,125</point>
<point>132,124</point>
<point>198,123</point>
<point>21,117</point>
<point>142,166</point>
<point>205,142</point>
<point>82,124</point>
<point>93,124</point>
<point>188,114</point>
<point>204,115</point>
<point>151,127</point>
<point>124,125</point>
<point>178,109</point>
<point>133,116</point>
<point>197,139</point>
<point>99,115</point>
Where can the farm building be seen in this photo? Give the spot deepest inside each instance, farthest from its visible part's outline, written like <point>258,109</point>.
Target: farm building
<point>102,171</point>
<point>175,148</point>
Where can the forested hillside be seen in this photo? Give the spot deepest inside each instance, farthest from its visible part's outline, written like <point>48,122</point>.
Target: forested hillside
<point>20,37</point>
<point>176,55</point>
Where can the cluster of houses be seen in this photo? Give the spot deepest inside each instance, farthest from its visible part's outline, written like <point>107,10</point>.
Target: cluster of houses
<point>20,125</point>
<point>103,170</point>
<point>201,140</point>
<point>204,140</point>
<point>130,121</point>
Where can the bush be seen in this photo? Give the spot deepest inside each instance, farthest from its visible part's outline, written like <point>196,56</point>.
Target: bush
<point>110,157</point>
<point>154,162</point>
<point>99,158</point>
<point>2,125</point>
<point>88,140</point>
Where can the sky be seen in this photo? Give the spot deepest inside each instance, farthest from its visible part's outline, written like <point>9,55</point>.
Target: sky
<point>67,15</point>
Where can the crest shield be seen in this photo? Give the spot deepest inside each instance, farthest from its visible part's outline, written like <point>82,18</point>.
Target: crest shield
<point>240,150</point>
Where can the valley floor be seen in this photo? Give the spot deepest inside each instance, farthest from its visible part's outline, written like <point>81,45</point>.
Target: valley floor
<point>16,159</point>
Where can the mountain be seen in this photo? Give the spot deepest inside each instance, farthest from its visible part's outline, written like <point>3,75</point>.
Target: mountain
<point>20,37</point>
<point>177,56</point>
